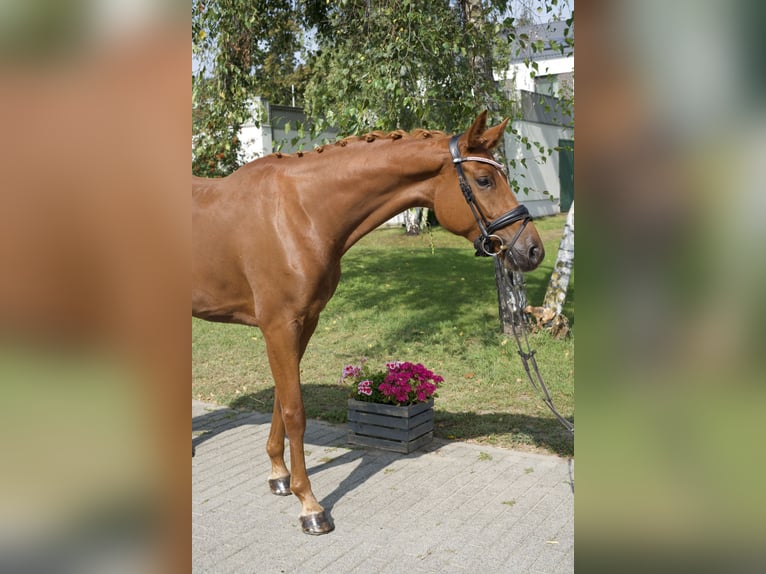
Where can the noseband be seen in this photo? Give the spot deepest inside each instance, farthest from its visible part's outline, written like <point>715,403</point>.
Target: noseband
<point>487,228</point>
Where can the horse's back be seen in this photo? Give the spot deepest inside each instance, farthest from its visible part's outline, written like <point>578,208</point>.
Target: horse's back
<point>204,189</point>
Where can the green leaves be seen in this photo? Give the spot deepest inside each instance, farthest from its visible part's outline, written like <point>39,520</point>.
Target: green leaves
<point>242,49</point>
<point>353,64</point>
<point>412,64</point>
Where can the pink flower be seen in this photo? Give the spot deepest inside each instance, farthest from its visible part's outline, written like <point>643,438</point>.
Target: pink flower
<point>365,388</point>
<point>402,383</point>
<point>351,371</point>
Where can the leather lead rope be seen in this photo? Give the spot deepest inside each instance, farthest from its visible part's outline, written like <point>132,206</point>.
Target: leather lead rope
<point>528,357</point>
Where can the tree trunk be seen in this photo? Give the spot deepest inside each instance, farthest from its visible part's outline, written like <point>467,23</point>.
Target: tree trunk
<point>482,64</point>
<point>412,220</point>
<point>549,316</point>
<point>562,271</point>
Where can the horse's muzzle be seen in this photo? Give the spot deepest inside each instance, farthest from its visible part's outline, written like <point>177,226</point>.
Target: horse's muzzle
<point>524,256</point>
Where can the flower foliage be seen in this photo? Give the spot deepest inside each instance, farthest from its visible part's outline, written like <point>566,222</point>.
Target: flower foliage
<point>402,383</point>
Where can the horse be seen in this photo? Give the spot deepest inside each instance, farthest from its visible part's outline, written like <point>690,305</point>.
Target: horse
<point>267,243</point>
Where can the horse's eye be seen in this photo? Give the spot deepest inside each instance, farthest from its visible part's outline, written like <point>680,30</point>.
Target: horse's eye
<point>484,181</point>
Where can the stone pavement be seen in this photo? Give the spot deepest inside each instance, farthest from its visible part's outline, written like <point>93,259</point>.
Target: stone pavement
<point>450,508</point>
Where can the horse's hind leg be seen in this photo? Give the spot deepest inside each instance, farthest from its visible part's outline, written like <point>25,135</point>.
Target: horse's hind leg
<point>279,480</point>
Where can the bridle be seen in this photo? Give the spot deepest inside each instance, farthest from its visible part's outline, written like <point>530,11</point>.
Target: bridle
<point>483,245</point>
<point>487,228</point>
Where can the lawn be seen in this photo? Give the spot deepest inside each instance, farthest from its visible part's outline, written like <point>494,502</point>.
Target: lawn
<point>423,299</point>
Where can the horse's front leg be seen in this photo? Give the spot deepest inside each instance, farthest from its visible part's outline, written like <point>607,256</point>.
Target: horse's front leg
<point>279,480</point>
<point>285,344</point>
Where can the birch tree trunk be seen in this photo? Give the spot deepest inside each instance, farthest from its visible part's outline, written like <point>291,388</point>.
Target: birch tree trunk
<point>549,316</point>
<point>482,66</point>
<point>562,270</point>
<point>413,220</point>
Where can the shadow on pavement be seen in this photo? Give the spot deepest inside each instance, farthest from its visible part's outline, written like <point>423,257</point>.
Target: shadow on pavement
<point>370,462</point>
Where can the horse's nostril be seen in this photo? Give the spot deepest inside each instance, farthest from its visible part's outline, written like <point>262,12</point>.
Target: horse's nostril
<point>535,254</point>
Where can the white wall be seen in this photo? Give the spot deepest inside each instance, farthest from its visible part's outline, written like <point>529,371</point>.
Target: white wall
<point>256,139</point>
<point>540,175</point>
<point>520,72</point>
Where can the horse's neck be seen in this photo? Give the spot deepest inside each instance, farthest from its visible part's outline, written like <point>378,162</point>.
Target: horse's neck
<point>369,183</point>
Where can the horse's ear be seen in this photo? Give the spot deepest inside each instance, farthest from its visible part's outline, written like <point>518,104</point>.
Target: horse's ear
<point>478,137</point>
<point>474,134</point>
<point>493,135</point>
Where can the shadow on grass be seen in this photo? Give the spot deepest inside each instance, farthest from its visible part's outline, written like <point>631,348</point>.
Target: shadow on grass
<point>329,403</point>
<point>448,286</point>
<point>521,430</point>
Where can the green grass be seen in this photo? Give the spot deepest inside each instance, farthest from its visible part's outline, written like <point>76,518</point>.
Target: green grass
<point>399,301</point>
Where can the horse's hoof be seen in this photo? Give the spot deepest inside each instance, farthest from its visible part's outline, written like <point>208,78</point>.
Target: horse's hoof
<point>316,524</point>
<point>280,486</point>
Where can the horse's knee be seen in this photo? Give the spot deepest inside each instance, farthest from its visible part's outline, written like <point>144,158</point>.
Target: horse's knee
<point>294,419</point>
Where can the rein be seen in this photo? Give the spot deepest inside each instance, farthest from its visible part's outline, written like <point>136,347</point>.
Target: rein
<point>528,355</point>
<point>483,245</point>
<point>487,228</point>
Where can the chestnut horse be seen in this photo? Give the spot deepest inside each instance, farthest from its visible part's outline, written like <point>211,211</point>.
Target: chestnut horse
<point>268,240</point>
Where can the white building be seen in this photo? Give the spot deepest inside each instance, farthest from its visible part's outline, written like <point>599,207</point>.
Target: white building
<point>273,128</point>
<point>536,79</point>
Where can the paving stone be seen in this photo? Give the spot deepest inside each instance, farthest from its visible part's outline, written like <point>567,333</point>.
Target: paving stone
<point>449,508</point>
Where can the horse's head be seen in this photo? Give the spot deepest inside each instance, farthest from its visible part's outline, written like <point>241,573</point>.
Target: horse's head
<point>478,203</point>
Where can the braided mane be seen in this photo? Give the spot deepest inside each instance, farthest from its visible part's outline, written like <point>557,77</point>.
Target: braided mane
<point>371,137</point>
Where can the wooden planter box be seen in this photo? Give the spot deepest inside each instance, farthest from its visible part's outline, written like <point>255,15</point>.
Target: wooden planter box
<point>389,427</point>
